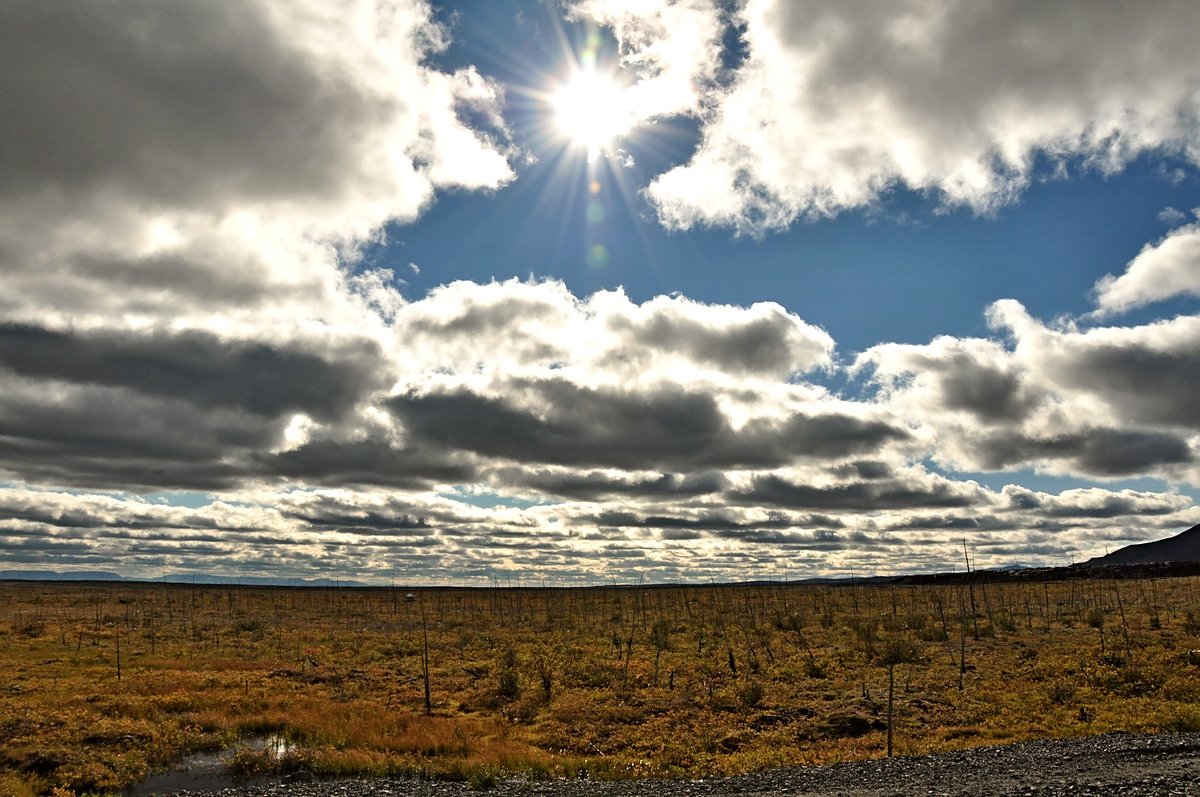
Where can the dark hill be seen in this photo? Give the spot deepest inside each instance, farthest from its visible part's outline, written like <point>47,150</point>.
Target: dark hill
<point>1183,547</point>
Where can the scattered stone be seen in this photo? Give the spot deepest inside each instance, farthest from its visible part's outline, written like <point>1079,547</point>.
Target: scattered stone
<point>1162,765</point>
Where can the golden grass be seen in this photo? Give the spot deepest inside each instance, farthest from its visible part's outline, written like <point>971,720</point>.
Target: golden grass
<point>561,683</point>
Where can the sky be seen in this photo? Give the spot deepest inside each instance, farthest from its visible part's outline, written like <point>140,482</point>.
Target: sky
<point>586,291</point>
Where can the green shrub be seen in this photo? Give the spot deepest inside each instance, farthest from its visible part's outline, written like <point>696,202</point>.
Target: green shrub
<point>750,694</point>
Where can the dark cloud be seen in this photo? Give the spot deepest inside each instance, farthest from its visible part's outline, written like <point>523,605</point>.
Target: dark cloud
<point>679,535</point>
<point>776,491</point>
<point>832,435</point>
<point>46,550</point>
<point>558,422</point>
<point>185,105</point>
<point>1146,383</point>
<point>967,375</point>
<point>394,515</point>
<point>474,311</point>
<point>1103,452</point>
<point>200,368</point>
<point>944,523</point>
<point>991,394</point>
<point>110,438</point>
<point>596,485</point>
<point>364,462</point>
<point>74,518</point>
<point>118,524</point>
<point>364,521</point>
<point>1111,506</point>
<point>704,521</point>
<point>866,470</point>
<point>389,546</point>
<point>1102,402</point>
<point>974,522</point>
<point>791,540</point>
<point>229,539</point>
<point>582,426</point>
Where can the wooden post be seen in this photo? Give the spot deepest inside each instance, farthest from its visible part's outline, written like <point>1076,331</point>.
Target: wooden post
<point>891,689</point>
<point>425,659</point>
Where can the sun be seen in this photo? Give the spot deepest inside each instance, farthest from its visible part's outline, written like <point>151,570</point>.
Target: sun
<point>592,110</point>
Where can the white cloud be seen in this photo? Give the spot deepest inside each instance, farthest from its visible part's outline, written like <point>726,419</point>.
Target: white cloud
<point>521,327</point>
<point>1104,402</point>
<point>1172,216</point>
<point>184,183</point>
<point>439,390</point>
<point>204,164</point>
<point>324,112</point>
<point>380,536</point>
<point>836,103</point>
<point>1160,271</point>
<point>672,46</point>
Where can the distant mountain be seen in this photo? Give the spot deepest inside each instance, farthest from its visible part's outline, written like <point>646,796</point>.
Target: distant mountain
<point>1183,547</point>
<point>51,575</point>
<point>173,578</point>
<point>255,581</point>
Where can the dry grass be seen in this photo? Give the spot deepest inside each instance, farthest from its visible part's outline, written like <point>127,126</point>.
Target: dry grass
<point>604,682</point>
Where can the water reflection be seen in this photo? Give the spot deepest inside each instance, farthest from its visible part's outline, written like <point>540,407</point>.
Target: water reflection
<point>210,771</point>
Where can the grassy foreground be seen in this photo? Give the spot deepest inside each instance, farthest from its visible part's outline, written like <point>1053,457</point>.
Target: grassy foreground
<point>102,683</point>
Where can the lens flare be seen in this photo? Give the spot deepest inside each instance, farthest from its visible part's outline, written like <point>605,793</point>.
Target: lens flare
<point>592,110</point>
<point>597,256</point>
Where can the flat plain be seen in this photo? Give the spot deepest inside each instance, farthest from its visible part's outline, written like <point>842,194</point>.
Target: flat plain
<point>104,683</point>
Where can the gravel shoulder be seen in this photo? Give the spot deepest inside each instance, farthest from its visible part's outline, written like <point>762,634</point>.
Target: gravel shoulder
<point>1125,764</point>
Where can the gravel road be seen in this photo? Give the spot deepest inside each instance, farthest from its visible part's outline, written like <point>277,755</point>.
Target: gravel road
<point>1124,764</point>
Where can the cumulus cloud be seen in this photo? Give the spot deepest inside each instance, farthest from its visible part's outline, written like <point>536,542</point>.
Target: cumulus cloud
<point>183,185</point>
<point>200,368</point>
<point>975,377</point>
<point>98,436</point>
<point>1106,402</point>
<point>1139,374</point>
<point>1091,502</point>
<point>659,436</point>
<point>1170,267</point>
<point>1093,450</point>
<point>669,426</point>
<point>187,188</point>
<point>763,340</point>
<point>420,536</point>
<point>914,490</point>
<point>599,485</point>
<point>469,379</point>
<point>317,110</point>
<point>673,47</point>
<point>834,104</point>
<point>457,327</point>
<point>207,165</point>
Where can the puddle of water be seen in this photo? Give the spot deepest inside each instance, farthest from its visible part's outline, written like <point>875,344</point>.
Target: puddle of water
<point>209,771</point>
<point>275,744</point>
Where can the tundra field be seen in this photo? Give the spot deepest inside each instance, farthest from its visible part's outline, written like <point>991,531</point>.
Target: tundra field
<point>104,683</point>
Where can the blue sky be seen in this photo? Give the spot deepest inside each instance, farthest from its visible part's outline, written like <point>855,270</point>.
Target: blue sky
<point>935,268</point>
<point>355,288</point>
<point>905,273</point>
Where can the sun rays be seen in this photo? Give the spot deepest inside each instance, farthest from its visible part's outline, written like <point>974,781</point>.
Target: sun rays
<point>591,109</point>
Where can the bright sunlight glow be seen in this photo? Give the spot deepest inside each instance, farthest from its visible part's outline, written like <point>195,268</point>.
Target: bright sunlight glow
<point>592,110</point>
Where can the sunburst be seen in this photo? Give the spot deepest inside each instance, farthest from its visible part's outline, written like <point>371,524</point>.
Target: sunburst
<point>592,111</point>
